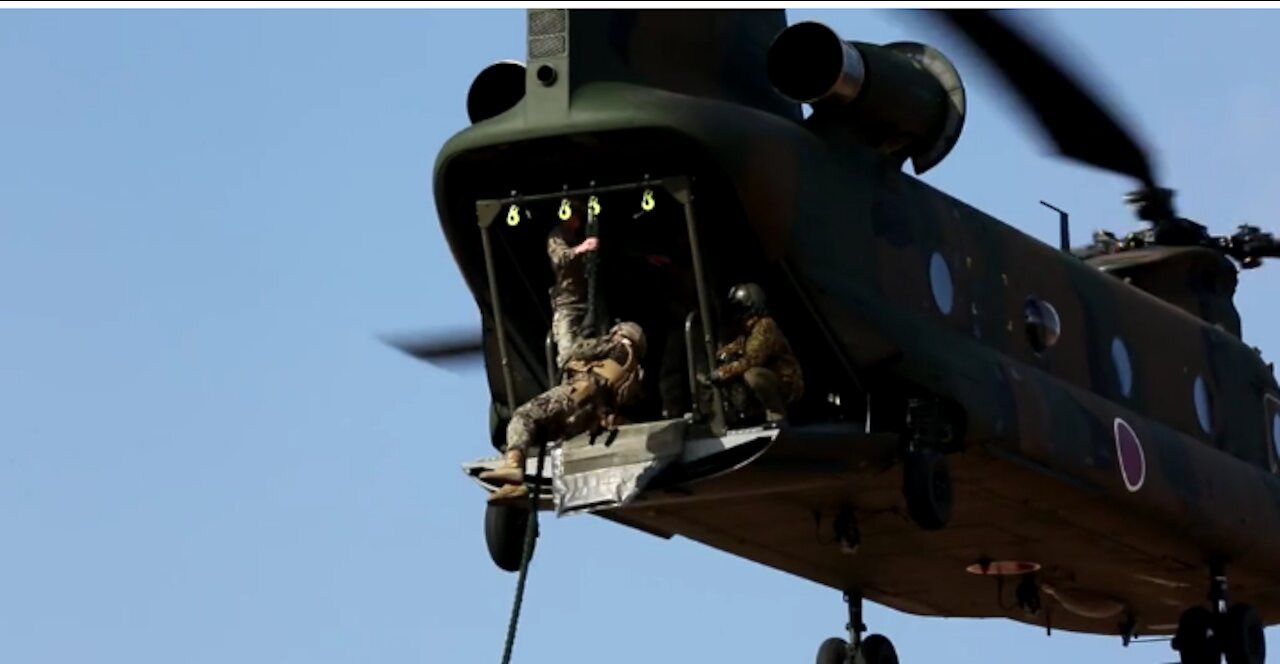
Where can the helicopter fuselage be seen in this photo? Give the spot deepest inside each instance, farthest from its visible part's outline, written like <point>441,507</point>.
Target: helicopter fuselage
<point>1086,402</point>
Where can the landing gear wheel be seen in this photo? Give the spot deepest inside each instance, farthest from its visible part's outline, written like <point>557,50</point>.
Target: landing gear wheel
<point>1240,636</point>
<point>926,485</point>
<point>1192,641</point>
<point>833,651</point>
<point>504,530</point>
<point>877,649</point>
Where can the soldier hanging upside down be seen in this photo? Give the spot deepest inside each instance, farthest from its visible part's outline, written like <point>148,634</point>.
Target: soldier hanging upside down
<point>759,359</point>
<point>600,376</point>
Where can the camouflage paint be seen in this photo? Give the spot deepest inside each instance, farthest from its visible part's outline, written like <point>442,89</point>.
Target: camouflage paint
<point>859,235</point>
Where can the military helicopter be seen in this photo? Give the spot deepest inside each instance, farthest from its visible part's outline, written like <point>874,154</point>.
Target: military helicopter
<point>1082,431</point>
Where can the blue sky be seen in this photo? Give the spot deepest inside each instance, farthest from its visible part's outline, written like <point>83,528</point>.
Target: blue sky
<point>206,455</point>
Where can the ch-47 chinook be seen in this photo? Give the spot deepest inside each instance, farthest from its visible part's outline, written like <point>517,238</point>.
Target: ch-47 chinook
<point>991,426</point>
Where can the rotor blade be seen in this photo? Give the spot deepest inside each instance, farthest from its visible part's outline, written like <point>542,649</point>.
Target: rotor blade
<point>1074,118</point>
<point>438,349</point>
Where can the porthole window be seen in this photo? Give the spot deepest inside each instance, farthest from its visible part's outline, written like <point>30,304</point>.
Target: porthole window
<point>1042,324</point>
<point>940,282</point>
<point>1275,434</point>
<point>1204,412</point>
<point>1124,371</point>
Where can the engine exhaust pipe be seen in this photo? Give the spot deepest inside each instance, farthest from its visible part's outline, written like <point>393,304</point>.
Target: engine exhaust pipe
<point>809,64</point>
<point>903,99</point>
<point>495,90</point>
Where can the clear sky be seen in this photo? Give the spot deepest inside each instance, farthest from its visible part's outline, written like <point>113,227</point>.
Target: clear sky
<point>206,456</point>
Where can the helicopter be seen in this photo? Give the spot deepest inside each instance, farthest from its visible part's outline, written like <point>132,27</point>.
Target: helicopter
<point>1082,425</point>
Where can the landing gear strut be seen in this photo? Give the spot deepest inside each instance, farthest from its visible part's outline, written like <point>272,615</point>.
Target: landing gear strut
<point>926,475</point>
<point>926,486</point>
<point>1207,635</point>
<point>874,649</point>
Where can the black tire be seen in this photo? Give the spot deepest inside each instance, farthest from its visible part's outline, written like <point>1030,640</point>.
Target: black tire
<point>504,532</point>
<point>833,651</point>
<point>1241,636</point>
<point>926,486</point>
<point>1192,641</point>
<point>877,649</point>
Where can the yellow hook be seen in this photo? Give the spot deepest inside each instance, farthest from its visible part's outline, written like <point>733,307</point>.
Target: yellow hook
<point>646,201</point>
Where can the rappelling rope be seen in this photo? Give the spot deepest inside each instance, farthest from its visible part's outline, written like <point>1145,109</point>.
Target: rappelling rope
<point>593,322</point>
<point>530,534</point>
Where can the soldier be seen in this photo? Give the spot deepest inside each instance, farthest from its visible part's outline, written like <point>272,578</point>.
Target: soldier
<point>569,294</point>
<point>602,375</point>
<point>760,355</point>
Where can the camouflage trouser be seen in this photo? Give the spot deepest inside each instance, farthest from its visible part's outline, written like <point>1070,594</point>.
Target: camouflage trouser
<point>758,387</point>
<point>766,387</point>
<point>552,415</point>
<point>566,325</point>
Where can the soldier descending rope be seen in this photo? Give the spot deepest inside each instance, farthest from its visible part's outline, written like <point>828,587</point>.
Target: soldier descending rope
<point>601,375</point>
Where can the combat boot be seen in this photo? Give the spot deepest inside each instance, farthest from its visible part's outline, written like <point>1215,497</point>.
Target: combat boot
<point>510,472</point>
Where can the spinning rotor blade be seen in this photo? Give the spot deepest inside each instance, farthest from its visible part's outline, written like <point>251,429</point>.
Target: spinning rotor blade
<point>440,349</point>
<point>1072,116</point>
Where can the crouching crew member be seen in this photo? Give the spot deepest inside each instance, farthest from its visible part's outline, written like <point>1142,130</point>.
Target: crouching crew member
<point>760,357</point>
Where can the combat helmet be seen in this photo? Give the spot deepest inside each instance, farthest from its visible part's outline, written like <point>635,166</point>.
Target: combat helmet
<point>632,332</point>
<point>747,299</point>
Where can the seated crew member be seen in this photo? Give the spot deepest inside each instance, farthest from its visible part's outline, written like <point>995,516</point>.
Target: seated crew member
<point>566,247</point>
<point>760,356</point>
<point>602,375</point>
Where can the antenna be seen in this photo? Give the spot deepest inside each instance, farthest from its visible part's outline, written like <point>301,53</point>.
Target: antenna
<point>1064,227</point>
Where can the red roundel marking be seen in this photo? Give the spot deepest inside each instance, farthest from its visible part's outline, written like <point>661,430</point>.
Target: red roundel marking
<point>1132,458</point>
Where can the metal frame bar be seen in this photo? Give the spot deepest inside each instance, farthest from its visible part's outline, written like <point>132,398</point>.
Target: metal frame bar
<point>682,191</point>
<point>693,365</point>
<point>486,211</point>
<point>566,193</point>
<point>680,188</point>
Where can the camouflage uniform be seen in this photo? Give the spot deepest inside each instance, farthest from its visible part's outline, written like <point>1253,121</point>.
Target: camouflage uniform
<point>761,356</point>
<point>569,294</point>
<point>763,359</point>
<point>602,375</point>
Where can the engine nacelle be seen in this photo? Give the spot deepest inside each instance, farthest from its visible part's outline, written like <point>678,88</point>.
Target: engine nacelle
<point>495,90</point>
<point>904,99</point>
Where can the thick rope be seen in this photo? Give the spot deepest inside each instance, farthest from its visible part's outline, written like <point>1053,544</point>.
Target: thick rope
<point>530,534</point>
<point>593,322</point>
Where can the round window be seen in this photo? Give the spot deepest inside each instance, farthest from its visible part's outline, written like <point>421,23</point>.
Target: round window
<point>940,281</point>
<point>1203,406</point>
<point>1042,323</point>
<point>1275,434</point>
<point>1124,371</point>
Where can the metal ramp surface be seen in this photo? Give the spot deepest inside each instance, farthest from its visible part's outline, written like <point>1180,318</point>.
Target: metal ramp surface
<point>590,473</point>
